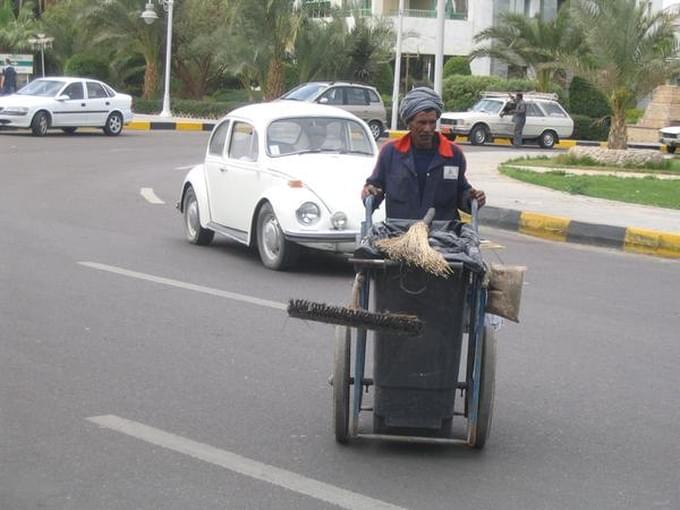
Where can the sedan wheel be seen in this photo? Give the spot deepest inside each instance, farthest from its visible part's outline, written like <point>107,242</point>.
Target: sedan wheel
<point>478,135</point>
<point>114,124</point>
<point>276,252</point>
<point>192,221</point>
<point>40,124</point>
<point>548,140</point>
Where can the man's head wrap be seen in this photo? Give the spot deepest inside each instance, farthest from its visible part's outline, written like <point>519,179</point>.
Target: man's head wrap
<point>419,100</point>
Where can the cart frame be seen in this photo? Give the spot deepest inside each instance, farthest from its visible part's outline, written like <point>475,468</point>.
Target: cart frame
<point>478,387</point>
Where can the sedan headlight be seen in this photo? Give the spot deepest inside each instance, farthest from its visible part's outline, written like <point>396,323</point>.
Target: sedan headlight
<point>308,213</point>
<point>339,220</point>
<point>15,110</point>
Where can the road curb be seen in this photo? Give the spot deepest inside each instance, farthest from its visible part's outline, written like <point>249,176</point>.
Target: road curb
<point>563,144</point>
<point>559,228</point>
<point>146,125</point>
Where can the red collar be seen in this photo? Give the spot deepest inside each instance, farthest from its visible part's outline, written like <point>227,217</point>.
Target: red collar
<point>403,145</point>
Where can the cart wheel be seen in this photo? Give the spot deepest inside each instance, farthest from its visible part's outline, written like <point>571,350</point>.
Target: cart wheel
<point>341,366</point>
<point>477,437</point>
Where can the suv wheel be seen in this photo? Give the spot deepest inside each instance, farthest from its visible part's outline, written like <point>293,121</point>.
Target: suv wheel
<point>670,149</point>
<point>548,139</point>
<point>479,135</point>
<point>376,129</point>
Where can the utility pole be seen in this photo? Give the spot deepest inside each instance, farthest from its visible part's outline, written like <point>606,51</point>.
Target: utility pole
<point>439,54</point>
<point>397,67</point>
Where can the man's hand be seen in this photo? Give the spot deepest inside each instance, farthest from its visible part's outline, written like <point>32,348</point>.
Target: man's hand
<point>369,189</point>
<point>479,195</point>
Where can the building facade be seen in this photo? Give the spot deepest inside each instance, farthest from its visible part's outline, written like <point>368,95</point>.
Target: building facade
<point>464,19</point>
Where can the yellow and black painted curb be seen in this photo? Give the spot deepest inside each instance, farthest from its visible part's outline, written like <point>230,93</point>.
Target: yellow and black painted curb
<point>559,228</point>
<point>146,125</point>
<point>562,144</point>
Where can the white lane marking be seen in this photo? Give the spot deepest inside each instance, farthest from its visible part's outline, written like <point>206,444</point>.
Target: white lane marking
<point>248,467</point>
<point>187,286</point>
<point>186,167</point>
<point>150,196</point>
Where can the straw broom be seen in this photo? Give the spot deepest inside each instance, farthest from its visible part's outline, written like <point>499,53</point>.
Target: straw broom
<point>413,248</point>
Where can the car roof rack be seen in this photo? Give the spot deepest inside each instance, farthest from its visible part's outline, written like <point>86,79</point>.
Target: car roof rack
<point>532,95</point>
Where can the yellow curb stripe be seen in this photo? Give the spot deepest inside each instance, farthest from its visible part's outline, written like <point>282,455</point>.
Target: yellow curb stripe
<point>652,242</point>
<point>189,126</point>
<point>544,226</point>
<point>138,124</point>
<point>566,144</point>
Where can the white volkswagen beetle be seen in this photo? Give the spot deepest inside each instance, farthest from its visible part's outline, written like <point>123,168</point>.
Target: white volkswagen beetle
<point>279,176</point>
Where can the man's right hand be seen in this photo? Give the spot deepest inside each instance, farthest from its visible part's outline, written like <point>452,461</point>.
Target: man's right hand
<point>369,189</point>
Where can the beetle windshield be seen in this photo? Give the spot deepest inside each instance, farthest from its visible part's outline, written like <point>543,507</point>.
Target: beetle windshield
<point>42,88</point>
<point>488,106</point>
<point>304,135</point>
<point>304,92</point>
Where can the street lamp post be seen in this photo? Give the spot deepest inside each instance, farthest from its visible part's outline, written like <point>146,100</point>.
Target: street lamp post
<point>41,41</point>
<point>149,16</point>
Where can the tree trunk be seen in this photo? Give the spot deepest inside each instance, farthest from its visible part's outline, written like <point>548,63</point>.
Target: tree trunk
<point>150,79</point>
<point>618,133</point>
<point>275,84</point>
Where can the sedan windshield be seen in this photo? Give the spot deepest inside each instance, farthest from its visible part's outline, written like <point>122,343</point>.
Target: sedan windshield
<point>305,135</point>
<point>488,106</point>
<point>42,88</point>
<point>304,92</point>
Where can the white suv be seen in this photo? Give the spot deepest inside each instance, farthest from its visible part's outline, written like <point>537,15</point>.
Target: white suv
<point>362,100</point>
<point>547,122</point>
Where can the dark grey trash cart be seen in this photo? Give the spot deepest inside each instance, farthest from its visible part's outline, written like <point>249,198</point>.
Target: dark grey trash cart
<point>416,379</point>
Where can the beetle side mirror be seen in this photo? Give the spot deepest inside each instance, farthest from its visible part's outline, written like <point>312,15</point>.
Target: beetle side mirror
<point>63,97</point>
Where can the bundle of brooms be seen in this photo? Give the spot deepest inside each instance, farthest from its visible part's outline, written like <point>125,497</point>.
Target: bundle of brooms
<point>413,248</point>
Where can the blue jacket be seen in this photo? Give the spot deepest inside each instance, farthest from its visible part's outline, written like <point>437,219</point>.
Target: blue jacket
<point>446,187</point>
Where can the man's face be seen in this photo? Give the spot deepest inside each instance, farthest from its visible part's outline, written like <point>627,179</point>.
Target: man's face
<point>422,127</point>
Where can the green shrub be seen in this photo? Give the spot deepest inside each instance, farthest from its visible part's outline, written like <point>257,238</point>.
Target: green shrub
<point>461,92</point>
<point>457,65</point>
<point>384,79</point>
<point>590,128</point>
<point>188,107</point>
<point>84,65</point>
<point>584,99</point>
<point>633,115</point>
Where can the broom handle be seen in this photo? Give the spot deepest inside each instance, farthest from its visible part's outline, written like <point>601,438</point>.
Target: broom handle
<point>429,216</point>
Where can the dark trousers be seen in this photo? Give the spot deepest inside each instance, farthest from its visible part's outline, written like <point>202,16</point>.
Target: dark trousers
<point>517,135</point>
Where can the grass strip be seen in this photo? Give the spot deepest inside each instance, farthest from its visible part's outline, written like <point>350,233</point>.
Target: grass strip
<point>647,191</point>
<point>669,166</point>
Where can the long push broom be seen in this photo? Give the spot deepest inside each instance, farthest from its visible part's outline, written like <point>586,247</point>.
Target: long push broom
<point>413,248</point>
<point>354,316</point>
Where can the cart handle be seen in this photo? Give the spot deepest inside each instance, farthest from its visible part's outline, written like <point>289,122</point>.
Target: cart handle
<point>474,211</point>
<point>368,221</point>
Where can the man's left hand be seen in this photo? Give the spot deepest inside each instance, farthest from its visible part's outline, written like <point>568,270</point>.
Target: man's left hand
<point>479,195</point>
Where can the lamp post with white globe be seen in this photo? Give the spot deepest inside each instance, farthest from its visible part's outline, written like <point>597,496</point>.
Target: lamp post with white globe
<point>149,16</point>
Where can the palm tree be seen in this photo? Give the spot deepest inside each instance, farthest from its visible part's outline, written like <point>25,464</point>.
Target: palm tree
<point>630,52</point>
<point>17,25</point>
<point>534,43</point>
<point>117,24</point>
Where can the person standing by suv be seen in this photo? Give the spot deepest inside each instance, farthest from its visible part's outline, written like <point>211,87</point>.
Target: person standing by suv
<point>9,78</point>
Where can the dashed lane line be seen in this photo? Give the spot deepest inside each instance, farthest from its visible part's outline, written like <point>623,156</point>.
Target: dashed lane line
<point>184,285</point>
<point>150,196</point>
<point>289,480</point>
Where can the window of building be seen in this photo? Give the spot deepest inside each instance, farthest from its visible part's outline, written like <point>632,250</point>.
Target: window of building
<point>317,8</point>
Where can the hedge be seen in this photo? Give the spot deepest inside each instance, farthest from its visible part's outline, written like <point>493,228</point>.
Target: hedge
<point>87,66</point>
<point>457,65</point>
<point>188,107</point>
<point>462,92</point>
<point>584,99</point>
<point>590,128</point>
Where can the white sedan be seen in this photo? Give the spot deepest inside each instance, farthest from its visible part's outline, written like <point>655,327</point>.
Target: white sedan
<point>279,176</point>
<point>66,103</point>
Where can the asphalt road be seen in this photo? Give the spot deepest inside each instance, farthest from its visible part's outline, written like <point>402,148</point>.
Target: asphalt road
<point>205,400</point>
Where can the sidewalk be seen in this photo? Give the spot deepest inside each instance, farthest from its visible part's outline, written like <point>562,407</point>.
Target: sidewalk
<point>534,210</point>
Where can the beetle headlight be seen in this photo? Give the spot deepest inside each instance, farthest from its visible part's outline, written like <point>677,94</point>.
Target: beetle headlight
<point>339,220</point>
<point>308,213</point>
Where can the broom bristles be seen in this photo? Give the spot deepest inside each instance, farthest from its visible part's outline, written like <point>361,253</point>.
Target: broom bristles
<point>413,248</point>
<point>396,323</point>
